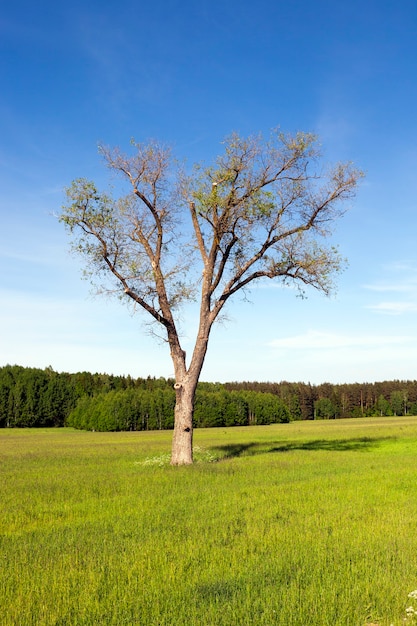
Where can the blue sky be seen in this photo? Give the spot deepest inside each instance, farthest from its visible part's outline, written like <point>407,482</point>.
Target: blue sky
<point>188,73</point>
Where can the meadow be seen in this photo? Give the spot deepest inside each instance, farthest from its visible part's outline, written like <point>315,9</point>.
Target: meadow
<point>301,524</point>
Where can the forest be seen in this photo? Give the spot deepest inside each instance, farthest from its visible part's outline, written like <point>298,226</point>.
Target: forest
<point>32,397</point>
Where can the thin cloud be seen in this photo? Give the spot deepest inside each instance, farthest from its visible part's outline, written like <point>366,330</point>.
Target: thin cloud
<point>404,266</point>
<point>317,340</point>
<point>394,308</point>
<point>402,275</point>
<point>401,278</point>
<point>13,255</point>
<point>32,318</point>
<point>73,335</point>
<point>391,287</point>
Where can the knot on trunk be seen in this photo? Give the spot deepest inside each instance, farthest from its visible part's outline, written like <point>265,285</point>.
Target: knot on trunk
<point>177,386</point>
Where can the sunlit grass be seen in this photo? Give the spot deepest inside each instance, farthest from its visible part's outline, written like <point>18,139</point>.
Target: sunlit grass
<point>303,524</point>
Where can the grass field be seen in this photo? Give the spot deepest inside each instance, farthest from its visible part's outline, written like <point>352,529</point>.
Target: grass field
<point>302,524</point>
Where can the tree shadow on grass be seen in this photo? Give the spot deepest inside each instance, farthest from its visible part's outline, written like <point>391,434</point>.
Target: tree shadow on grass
<point>232,450</point>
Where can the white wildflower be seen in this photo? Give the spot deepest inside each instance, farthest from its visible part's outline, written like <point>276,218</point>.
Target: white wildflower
<point>160,461</point>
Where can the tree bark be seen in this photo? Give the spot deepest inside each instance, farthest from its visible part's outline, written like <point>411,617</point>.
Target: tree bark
<point>182,440</point>
<point>185,388</point>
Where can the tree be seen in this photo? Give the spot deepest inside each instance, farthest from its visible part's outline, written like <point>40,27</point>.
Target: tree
<point>399,401</point>
<point>262,211</point>
<point>325,409</point>
<point>383,406</point>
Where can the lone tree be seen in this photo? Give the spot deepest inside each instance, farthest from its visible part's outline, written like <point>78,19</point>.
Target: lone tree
<point>263,210</point>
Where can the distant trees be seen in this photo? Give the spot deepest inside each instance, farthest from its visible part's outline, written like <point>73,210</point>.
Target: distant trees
<point>327,401</point>
<point>383,406</point>
<point>139,409</point>
<point>325,409</point>
<point>238,408</point>
<point>34,397</point>
<point>399,402</point>
<point>131,409</point>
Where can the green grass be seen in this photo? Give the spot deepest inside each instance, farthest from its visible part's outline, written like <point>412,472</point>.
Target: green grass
<point>303,524</point>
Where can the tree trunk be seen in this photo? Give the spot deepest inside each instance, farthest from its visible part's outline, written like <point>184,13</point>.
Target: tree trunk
<point>182,440</point>
<point>185,388</point>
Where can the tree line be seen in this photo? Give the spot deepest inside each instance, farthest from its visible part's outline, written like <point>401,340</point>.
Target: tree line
<point>32,397</point>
